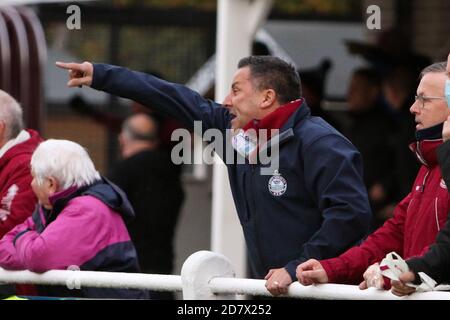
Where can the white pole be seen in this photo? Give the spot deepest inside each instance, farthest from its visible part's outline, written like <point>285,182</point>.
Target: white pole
<point>321,292</point>
<point>237,22</point>
<point>198,270</point>
<point>77,279</point>
<point>205,275</point>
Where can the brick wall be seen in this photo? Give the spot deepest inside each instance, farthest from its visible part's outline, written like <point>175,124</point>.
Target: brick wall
<point>388,16</point>
<point>431,27</point>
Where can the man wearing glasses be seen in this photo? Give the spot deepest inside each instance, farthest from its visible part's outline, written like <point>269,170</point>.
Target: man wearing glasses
<point>417,218</point>
<point>436,262</point>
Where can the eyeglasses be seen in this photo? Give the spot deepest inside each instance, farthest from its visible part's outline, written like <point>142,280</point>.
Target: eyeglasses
<point>422,99</point>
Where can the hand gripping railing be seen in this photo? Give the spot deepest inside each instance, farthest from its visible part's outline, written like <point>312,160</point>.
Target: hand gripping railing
<point>204,276</point>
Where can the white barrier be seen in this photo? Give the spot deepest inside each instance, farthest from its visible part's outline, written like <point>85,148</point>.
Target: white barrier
<point>197,272</point>
<point>205,276</point>
<point>318,292</point>
<point>77,279</point>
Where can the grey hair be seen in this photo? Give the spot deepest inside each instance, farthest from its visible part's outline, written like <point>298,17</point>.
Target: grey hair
<point>66,161</point>
<point>11,114</point>
<point>437,67</point>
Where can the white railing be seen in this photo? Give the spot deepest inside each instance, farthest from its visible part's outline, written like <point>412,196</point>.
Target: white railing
<point>78,279</point>
<point>205,276</point>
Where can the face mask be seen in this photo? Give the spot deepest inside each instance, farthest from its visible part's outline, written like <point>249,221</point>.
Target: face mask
<point>244,142</point>
<point>447,92</point>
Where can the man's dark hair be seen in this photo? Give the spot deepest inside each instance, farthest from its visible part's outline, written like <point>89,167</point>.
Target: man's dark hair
<point>402,78</point>
<point>437,67</point>
<point>269,72</point>
<point>372,76</point>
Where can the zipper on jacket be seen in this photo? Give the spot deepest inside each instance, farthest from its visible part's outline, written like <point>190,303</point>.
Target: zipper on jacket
<point>419,154</point>
<point>422,187</point>
<point>436,212</point>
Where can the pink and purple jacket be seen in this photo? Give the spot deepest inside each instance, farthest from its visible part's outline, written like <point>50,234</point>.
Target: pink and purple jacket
<point>85,229</point>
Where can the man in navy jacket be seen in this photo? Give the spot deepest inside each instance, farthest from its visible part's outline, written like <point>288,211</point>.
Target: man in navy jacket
<point>314,205</point>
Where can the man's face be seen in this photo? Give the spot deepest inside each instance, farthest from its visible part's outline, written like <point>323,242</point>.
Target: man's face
<point>433,111</point>
<point>243,100</point>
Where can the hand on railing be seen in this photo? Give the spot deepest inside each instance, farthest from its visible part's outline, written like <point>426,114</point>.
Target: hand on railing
<point>372,278</point>
<point>311,272</point>
<point>278,281</point>
<point>400,288</point>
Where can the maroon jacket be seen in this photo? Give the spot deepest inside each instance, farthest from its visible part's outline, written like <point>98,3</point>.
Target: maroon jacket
<point>17,200</point>
<point>416,222</point>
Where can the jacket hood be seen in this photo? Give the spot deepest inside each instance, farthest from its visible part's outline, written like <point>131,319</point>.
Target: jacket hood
<point>426,151</point>
<point>112,196</point>
<point>104,190</point>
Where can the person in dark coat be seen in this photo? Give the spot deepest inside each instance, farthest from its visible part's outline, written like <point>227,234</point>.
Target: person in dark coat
<point>152,184</point>
<point>399,88</point>
<point>370,131</point>
<point>313,83</point>
<point>312,203</point>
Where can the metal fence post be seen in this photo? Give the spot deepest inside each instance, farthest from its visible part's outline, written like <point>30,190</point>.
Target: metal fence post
<point>198,269</point>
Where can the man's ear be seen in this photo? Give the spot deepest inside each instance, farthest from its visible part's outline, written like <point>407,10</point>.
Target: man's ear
<point>447,89</point>
<point>2,132</point>
<point>269,98</point>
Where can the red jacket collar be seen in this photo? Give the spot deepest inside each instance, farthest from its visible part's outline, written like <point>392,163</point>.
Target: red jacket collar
<point>26,147</point>
<point>425,151</point>
<point>275,119</point>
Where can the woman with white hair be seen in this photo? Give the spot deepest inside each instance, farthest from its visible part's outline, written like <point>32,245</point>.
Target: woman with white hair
<point>79,222</point>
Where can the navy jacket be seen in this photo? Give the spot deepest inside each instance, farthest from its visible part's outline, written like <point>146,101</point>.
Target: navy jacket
<point>325,208</point>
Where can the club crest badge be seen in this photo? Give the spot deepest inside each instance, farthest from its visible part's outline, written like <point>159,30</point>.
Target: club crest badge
<point>277,184</point>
